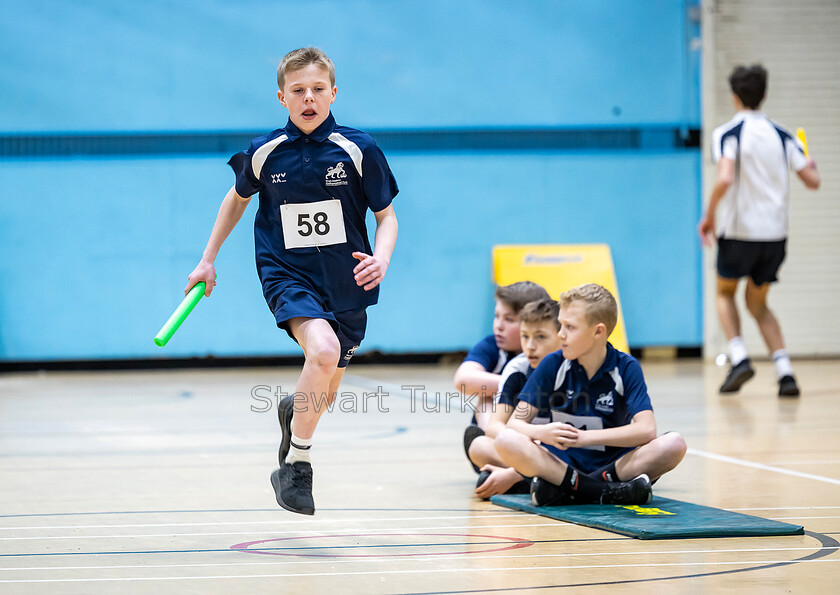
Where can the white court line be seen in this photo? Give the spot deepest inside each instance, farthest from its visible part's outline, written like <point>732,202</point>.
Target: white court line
<point>302,533</point>
<point>332,561</point>
<point>734,461</point>
<point>490,569</point>
<point>293,522</point>
<point>801,518</point>
<point>789,508</point>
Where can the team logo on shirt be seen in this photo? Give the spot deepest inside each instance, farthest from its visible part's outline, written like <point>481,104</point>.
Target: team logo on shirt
<point>605,403</point>
<point>336,176</point>
<point>278,178</point>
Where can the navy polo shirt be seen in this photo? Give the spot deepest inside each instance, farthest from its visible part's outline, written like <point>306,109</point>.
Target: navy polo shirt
<point>319,187</point>
<point>610,399</point>
<point>488,354</point>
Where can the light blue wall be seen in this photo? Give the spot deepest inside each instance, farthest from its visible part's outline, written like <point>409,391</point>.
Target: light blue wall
<point>208,65</point>
<point>94,251</point>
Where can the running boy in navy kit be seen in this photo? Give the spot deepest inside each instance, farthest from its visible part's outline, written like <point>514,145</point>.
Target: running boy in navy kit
<point>752,190</point>
<point>603,431</point>
<point>315,180</point>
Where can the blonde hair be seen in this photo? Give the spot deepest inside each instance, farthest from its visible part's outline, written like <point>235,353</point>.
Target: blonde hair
<point>545,310</point>
<point>599,305</point>
<point>301,58</point>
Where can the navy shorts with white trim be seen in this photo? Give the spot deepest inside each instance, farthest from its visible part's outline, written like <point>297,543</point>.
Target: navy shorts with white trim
<point>760,261</point>
<point>292,300</point>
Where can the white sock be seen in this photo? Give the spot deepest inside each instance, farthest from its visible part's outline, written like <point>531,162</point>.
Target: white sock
<point>782,362</point>
<point>737,351</point>
<point>299,450</point>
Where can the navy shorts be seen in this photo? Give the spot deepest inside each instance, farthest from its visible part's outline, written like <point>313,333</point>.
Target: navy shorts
<point>290,300</point>
<point>760,261</point>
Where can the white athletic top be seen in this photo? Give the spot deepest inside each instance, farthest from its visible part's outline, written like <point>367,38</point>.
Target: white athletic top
<point>755,208</point>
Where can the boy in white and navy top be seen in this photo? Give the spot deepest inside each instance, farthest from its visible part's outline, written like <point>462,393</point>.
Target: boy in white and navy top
<point>538,328</point>
<point>316,180</point>
<point>601,444</point>
<point>748,215</point>
<point>478,375</point>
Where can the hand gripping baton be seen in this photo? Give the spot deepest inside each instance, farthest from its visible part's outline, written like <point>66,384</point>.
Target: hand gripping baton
<point>180,314</point>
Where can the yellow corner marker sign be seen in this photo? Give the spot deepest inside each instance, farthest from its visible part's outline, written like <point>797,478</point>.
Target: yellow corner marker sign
<point>559,267</point>
<point>651,511</point>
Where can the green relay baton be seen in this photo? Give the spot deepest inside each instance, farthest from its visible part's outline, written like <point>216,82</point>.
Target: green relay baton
<point>180,314</point>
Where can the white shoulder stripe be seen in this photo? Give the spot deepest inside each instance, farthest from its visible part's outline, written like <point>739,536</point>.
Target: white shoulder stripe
<point>350,148</point>
<point>619,383</point>
<point>561,374</point>
<point>261,154</point>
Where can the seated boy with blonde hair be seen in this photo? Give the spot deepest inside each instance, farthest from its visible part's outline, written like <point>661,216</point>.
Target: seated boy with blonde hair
<point>602,428</point>
<point>538,328</point>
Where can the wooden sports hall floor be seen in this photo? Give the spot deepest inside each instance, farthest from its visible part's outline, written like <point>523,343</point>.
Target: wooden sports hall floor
<point>158,481</point>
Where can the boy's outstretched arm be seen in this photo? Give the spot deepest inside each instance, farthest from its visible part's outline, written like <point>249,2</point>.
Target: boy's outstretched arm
<point>371,269</point>
<point>233,206</point>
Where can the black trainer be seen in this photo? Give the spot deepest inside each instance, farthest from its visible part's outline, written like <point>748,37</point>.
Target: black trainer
<point>482,477</point>
<point>788,387</point>
<point>545,493</point>
<point>285,408</point>
<point>293,487</point>
<point>737,376</point>
<point>470,434</point>
<point>635,491</point>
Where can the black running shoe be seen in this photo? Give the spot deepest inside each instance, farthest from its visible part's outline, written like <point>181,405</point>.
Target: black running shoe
<point>520,487</point>
<point>482,477</point>
<point>737,376</point>
<point>545,493</point>
<point>635,491</point>
<point>788,387</point>
<point>293,487</point>
<point>470,434</point>
<point>285,409</point>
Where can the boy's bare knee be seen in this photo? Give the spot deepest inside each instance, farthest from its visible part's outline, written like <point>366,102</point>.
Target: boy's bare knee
<point>674,447</point>
<point>324,354</point>
<point>727,287</point>
<point>509,442</point>
<point>756,307</point>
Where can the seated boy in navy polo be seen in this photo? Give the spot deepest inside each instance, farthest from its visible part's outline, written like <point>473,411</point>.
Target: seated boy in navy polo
<point>603,431</point>
<point>316,180</point>
<point>538,332</point>
<point>479,373</point>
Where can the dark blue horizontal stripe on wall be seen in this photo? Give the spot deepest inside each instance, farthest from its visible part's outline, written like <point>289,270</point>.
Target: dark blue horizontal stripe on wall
<point>163,143</point>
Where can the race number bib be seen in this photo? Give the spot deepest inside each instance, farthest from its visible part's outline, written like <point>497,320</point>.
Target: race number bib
<point>581,422</point>
<point>311,224</point>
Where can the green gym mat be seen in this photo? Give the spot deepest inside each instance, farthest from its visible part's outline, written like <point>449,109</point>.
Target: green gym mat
<point>663,518</point>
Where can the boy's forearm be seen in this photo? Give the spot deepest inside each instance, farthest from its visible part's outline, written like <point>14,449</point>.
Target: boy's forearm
<point>479,382</point>
<point>385,238</point>
<point>631,435</point>
<point>523,427</point>
<point>718,192</point>
<point>230,212</point>
<point>501,414</point>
